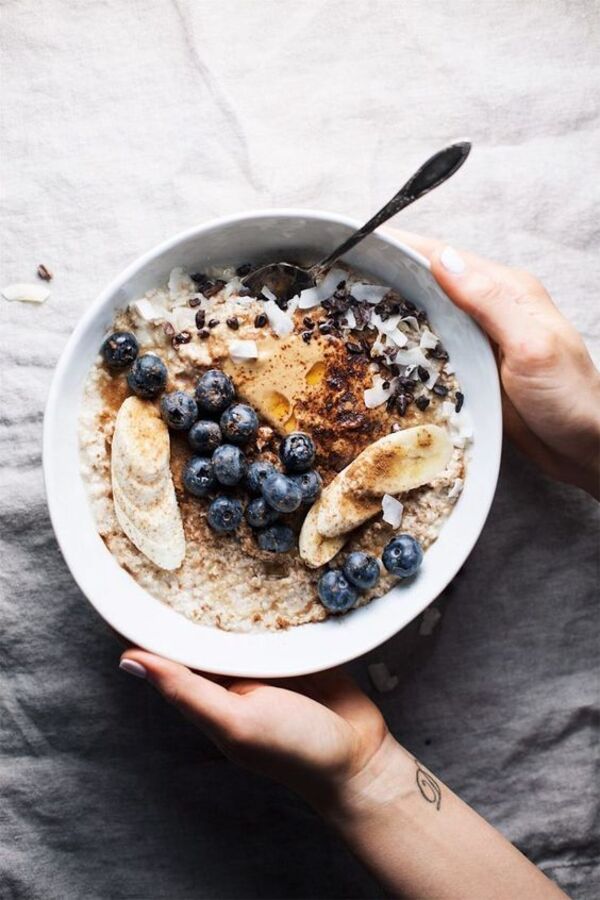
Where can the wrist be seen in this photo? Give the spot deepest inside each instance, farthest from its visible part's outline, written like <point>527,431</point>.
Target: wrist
<point>386,779</point>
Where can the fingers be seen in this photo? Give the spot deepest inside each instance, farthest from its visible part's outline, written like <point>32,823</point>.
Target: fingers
<point>500,299</point>
<point>505,302</point>
<point>209,705</point>
<point>340,693</point>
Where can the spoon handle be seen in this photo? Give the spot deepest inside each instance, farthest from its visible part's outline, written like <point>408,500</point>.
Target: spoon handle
<point>430,175</point>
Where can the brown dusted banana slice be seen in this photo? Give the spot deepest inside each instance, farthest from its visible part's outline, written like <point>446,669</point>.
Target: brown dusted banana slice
<point>316,550</point>
<point>396,463</point>
<point>143,492</point>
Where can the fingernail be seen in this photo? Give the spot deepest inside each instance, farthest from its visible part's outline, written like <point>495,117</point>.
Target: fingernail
<point>452,261</point>
<point>133,668</point>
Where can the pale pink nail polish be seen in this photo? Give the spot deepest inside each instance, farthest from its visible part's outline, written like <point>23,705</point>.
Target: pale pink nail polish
<point>133,668</point>
<point>452,261</point>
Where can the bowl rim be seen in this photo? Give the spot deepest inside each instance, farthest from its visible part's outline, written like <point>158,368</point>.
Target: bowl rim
<point>62,368</point>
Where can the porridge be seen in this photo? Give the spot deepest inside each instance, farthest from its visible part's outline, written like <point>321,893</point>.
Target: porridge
<point>259,463</point>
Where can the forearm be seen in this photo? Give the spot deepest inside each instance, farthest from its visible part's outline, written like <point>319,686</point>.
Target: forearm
<point>420,840</point>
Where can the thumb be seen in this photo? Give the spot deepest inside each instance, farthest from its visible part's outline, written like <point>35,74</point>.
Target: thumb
<point>500,299</point>
<point>209,705</point>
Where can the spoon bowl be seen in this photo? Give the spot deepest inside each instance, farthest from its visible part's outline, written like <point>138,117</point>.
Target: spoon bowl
<point>285,279</point>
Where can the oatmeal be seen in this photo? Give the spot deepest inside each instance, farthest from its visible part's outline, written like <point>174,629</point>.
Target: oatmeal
<point>334,426</point>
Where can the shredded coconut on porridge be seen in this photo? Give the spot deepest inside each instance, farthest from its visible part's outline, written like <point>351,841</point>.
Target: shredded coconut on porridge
<point>347,365</point>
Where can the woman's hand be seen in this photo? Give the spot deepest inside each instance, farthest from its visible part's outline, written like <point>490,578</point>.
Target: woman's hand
<point>313,734</point>
<point>322,737</point>
<point>551,387</point>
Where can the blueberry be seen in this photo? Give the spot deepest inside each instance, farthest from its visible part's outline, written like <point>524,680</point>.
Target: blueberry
<point>259,514</point>
<point>276,539</point>
<point>179,410</point>
<point>225,514</point>
<point>310,484</point>
<point>257,473</point>
<point>214,392</point>
<point>282,493</point>
<point>402,556</point>
<point>148,376</point>
<point>239,423</point>
<point>361,570</point>
<point>335,592</point>
<point>230,464</point>
<point>297,452</point>
<point>204,437</point>
<point>119,349</point>
<point>199,476</point>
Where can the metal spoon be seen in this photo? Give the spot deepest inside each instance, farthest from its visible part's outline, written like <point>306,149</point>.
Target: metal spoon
<point>286,280</point>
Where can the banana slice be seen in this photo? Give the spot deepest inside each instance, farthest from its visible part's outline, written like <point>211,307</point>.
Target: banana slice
<point>395,463</point>
<point>143,493</point>
<point>316,550</point>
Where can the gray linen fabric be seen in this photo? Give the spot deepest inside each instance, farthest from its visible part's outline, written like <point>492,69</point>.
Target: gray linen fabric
<point>127,121</point>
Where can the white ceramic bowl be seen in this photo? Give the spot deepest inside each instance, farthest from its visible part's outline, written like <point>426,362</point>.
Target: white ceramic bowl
<point>145,621</point>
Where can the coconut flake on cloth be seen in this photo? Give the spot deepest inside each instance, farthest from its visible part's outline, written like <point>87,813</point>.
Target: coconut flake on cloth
<point>382,678</point>
<point>26,293</point>
<point>429,622</point>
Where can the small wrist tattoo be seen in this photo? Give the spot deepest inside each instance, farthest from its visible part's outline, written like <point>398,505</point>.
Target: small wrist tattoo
<point>428,786</point>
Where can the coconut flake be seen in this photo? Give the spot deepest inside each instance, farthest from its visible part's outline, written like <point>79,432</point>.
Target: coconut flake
<point>398,337</point>
<point>430,619</point>
<point>456,489</point>
<point>179,283</point>
<point>331,281</point>
<point>412,322</point>
<point>268,294</point>
<point>392,510</point>
<point>377,348</point>
<point>281,323</point>
<point>309,298</point>
<point>447,409</point>
<point>350,320</point>
<point>147,311</point>
<point>26,293</point>
<point>382,678</point>
<point>377,395</point>
<point>460,425</point>
<point>412,358</point>
<point>240,351</point>
<point>449,369</point>
<point>372,293</point>
<point>462,429</point>
<point>182,318</point>
<point>428,340</point>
